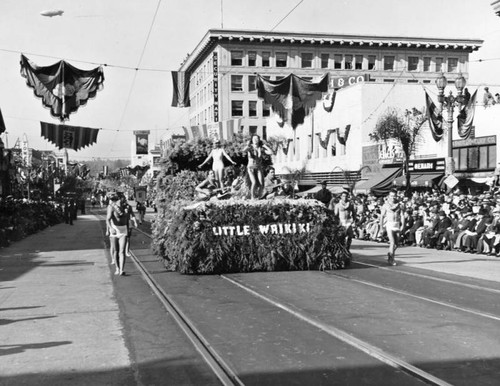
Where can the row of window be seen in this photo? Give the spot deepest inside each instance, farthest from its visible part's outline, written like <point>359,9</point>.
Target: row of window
<point>475,158</point>
<point>237,109</point>
<point>346,61</point>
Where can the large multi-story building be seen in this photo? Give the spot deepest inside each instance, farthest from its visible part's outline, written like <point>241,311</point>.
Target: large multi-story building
<point>368,73</point>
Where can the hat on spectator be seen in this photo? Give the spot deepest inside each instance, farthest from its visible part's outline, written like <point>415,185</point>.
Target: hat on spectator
<point>441,213</point>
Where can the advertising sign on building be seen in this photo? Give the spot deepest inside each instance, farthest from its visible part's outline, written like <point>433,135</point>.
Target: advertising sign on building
<point>141,141</point>
<point>344,81</point>
<point>390,152</point>
<point>216,86</point>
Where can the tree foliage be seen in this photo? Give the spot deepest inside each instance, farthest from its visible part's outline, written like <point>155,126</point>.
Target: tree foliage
<point>188,155</point>
<point>404,128</point>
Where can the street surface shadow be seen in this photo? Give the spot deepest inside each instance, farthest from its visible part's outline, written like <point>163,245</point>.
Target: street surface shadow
<point>4,322</point>
<point>19,308</point>
<point>177,371</point>
<point>9,349</point>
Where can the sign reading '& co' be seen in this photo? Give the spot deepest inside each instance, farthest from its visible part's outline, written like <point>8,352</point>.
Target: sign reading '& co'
<point>348,80</point>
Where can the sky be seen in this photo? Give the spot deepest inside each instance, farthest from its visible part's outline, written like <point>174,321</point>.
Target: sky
<point>140,41</point>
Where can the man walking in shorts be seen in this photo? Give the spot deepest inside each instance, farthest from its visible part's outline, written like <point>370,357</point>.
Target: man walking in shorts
<point>392,214</point>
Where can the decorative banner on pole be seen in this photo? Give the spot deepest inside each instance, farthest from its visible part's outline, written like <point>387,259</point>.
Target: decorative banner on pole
<point>2,123</point>
<point>435,118</point>
<point>141,141</point>
<point>69,137</point>
<point>466,117</point>
<point>180,81</point>
<point>62,87</point>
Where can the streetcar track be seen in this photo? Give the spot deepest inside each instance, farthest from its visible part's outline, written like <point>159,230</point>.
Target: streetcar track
<point>405,293</point>
<point>221,369</point>
<point>420,275</point>
<point>345,337</point>
<point>228,377</point>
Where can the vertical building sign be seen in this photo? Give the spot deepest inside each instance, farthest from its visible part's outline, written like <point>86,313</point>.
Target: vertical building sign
<point>141,141</point>
<point>216,87</point>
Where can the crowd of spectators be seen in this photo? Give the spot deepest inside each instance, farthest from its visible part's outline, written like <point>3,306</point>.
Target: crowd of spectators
<point>453,221</point>
<point>21,217</point>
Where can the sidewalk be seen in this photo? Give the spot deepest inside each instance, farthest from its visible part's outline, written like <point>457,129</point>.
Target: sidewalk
<point>448,262</point>
<point>58,315</point>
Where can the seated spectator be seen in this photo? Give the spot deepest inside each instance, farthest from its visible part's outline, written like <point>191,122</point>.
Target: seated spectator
<point>473,234</point>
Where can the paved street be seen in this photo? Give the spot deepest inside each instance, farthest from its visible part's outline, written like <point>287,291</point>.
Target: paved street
<point>66,319</point>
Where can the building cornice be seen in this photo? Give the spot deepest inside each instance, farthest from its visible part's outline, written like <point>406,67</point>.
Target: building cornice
<point>214,36</point>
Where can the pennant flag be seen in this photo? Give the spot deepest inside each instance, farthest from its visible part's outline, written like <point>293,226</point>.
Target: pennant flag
<point>2,123</point>
<point>435,118</point>
<point>292,97</point>
<point>180,81</point>
<point>466,117</point>
<point>69,137</point>
<point>62,87</point>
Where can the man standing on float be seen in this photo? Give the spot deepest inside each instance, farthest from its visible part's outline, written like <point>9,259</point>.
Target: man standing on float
<point>394,223</point>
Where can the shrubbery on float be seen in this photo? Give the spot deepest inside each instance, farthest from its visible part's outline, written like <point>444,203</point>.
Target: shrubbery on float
<point>246,235</point>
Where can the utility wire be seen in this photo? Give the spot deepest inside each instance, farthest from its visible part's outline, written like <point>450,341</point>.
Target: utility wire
<point>288,14</point>
<point>135,73</point>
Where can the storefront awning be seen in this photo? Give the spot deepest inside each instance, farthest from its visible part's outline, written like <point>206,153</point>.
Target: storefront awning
<point>426,180</point>
<point>379,183</point>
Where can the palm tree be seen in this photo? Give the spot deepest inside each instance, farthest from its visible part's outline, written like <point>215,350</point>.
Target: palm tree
<point>348,176</point>
<point>405,129</point>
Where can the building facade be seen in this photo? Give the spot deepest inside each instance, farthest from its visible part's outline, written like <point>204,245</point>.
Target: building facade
<point>368,73</point>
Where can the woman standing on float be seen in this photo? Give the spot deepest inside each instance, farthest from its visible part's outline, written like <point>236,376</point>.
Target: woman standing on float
<point>218,154</point>
<point>255,167</point>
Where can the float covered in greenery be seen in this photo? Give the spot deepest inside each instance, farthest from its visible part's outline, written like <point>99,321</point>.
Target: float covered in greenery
<point>248,235</point>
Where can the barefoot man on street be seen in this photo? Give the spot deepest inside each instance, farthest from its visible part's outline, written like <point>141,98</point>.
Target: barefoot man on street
<point>394,223</point>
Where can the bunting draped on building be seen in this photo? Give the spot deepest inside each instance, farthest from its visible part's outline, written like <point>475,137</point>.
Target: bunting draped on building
<point>324,143</point>
<point>180,80</point>
<point>329,101</point>
<point>292,97</point>
<point>466,117</point>
<point>69,137</point>
<point>435,118</point>
<point>138,171</point>
<point>285,148</point>
<point>62,87</point>
<point>2,123</point>
<point>342,137</point>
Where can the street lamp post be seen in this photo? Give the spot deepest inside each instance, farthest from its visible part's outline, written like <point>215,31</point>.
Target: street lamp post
<point>449,102</point>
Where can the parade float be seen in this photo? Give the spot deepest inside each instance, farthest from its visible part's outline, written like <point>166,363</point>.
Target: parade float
<point>247,235</point>
<point>238,235</point>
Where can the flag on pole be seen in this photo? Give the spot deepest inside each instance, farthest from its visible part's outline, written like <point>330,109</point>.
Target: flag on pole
<point>180,81</point>
<point>2,123</point>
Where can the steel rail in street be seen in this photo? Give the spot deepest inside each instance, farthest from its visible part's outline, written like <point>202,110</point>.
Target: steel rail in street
<point>420,275</point>
<point>359,344</point>
<point>221,369</point>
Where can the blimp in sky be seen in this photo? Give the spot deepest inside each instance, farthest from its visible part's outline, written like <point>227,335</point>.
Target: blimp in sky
<point>52,12</point>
